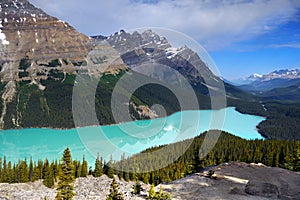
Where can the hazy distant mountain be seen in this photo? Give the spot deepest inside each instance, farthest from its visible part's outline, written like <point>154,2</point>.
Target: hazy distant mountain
<point>291,93</point>
<point>276,79</point>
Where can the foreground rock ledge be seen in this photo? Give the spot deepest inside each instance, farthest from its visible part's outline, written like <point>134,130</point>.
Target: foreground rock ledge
<point>231,181</point>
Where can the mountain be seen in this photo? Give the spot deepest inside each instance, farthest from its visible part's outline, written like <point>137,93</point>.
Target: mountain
<point>276,79</point>
<point>291,93</point>
<point>41,57</point>
<point>34,46</point>
<point>29,33</point>
<point>148,53</point>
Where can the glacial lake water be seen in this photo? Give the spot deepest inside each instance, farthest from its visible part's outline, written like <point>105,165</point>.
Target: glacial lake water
<point>128,138</point>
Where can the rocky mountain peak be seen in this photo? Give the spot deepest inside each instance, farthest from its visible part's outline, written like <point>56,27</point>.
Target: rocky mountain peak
<point>277,74</point>
<point>125,42</point>
<point>138,50</point>
<point>27,32</point>
<point>33,46</point>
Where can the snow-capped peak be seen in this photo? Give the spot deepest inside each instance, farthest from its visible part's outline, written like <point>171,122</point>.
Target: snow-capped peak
<point>278,74</point>
<point>255,75</point>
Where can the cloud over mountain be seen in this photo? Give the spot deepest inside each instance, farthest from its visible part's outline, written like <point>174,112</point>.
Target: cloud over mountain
<point>215,23</point>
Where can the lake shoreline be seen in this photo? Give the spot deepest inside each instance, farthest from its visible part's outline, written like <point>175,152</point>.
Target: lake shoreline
<point>129,138</point>
<point>120,123</point>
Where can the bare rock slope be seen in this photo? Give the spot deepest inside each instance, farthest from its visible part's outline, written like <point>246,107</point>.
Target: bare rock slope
<point>232,181</point>
<point>238,181</point>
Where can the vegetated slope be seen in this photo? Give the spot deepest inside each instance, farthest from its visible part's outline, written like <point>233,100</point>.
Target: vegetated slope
<point>284,94</point>
<point>232,180</point>
<point>267,85</point>
<point>276,153</point>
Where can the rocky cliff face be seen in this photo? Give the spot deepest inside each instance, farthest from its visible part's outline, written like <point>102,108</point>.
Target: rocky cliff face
<point>42,40</point>
<point>41,55</point>
<point>38,50</point>
<point>147,49</point>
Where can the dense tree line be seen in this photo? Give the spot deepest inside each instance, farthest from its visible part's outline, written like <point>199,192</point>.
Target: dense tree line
<point>24,171</point>
<point>275,153</point>
<point>282,118</point>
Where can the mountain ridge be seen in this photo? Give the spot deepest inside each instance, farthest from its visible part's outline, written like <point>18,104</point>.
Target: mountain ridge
<point>275,79</point>
<point>43,55</point>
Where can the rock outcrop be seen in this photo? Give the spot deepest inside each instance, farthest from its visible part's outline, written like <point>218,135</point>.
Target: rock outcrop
<point>231,181</point>
<point>85,188</point>
<point>238,181</point>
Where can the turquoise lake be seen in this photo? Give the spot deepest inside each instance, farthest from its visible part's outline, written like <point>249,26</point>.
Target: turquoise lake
<point>128,138</point>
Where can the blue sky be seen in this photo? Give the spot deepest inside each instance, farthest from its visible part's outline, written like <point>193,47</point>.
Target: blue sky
<point>242,36</point>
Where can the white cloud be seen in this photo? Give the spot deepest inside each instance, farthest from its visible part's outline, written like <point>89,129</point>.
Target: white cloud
<point>288,45</point>
<point>215,23</point>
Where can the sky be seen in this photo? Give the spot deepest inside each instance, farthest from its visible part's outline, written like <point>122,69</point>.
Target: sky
<point>242,36</point>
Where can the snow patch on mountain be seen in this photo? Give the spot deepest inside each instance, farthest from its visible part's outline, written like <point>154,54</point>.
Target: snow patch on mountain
<point>2,35</point>
<point>257,75</point>
<point>172,52</point>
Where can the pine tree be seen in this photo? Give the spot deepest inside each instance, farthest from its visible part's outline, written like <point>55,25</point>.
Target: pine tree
<point>163,195</point>
<point>45,168</point>
<point>36,172</point>
<point>108,168</point>
<point>39,170</point>
<point>4,177</point>
<point>10,173</point>
<point>151,193</point>
<point>65,188</point>
<point>137,188</point>
<point>23,172</point>
<point>55,168</point>
<point>48,175</point>
<point>296,160</point>
<point>84,168</point>
<point>30,170</point>
<point>98,167</point>
<point>114,191</point>
<point>0,170</point>
<point>77,168</point>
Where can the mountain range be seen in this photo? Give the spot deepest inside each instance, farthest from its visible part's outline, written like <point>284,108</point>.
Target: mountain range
<point>42,57</point>
<point>266,82</point>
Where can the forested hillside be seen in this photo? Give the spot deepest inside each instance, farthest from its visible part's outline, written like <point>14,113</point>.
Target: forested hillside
<point>275,153</point>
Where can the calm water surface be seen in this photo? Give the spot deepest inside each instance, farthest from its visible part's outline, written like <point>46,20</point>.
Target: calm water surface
<point>128,138</point>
